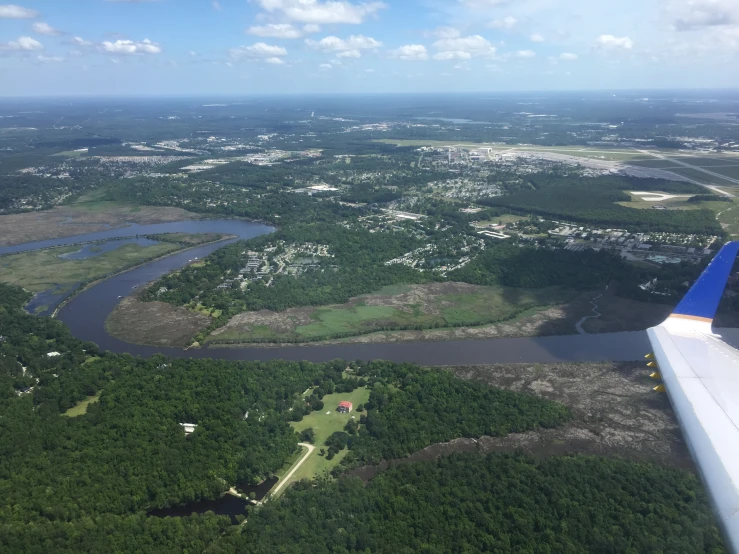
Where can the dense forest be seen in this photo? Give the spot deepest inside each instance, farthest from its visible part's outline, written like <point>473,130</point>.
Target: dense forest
<point>497,503</point>
<point>592,201</point>
<point>64,477</point>
<point>408,410</point>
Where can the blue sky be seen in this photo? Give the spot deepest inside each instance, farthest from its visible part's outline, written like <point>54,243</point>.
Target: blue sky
<point>201,47</point>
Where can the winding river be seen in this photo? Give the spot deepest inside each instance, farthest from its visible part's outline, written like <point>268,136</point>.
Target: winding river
<point>86,313</point>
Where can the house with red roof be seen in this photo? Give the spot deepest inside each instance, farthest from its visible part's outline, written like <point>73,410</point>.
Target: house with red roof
<point>344,407</point>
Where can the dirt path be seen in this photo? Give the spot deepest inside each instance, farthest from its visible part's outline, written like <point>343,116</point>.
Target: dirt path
<point>286,479</point>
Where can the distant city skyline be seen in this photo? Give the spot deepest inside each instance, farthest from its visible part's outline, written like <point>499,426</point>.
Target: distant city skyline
<point>233,47</point>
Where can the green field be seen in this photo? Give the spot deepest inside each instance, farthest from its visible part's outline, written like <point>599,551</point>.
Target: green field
<point>81,407</point>
<point>397,307</point>
<point>324,425</point>
<point>43,269</point>
<point>99,206</point>
<point>656,163</point>
<point>704,178</point>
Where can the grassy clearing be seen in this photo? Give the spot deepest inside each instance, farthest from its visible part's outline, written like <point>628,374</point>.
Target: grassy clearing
<point>503,219</point>
<point>212,312</point>
<point>437,305</point>
<point>81,407</point>
<point>68,154</point>
<point>324,425</point>
<point>728,217</point>
<point>680,203</point>
<point>43,269</point>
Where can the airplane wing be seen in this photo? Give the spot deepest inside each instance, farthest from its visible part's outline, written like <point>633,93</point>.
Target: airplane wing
<point>700,373</point>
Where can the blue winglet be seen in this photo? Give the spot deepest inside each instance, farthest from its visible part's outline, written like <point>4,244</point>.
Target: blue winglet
<point>703,297</point>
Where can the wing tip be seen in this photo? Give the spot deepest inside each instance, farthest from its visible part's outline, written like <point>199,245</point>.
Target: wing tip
<point>701,302</point>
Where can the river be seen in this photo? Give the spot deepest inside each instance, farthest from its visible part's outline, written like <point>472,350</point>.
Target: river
<point>86,313</point>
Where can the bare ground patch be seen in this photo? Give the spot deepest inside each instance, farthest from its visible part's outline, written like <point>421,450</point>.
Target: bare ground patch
<point>67,221</point>
<point>615,413</point>
<point>154,323</point>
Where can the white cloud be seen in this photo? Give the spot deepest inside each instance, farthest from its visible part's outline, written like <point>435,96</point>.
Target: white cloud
<point>505,23</point>
<point>568,56</point>
<point>49,59</point>
<point>463,48</point>
<point>325,66</point>
<point>452,55</point>
<point>45,29</point>
<point>258,51</point>
<point>11,11</point>
<point>80,42</point>
<point>693,14</point>
<point>349,54</point>
<point>23,44</point>
<point>315,11</point>
<point>130,47</point>
<point>536,38</point>
<point>336,44</point>
<point>311,28</point>
<point>275,30</point>
<point>275,61</point>
<point>445,32</point>
<point>525,54</point>
<point>610,42</point>
<point>482,4</point>
<point>410,52</point>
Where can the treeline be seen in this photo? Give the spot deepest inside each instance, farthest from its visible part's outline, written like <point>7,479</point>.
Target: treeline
<point>496,503</point>
<point>410,409</point>
<point>592,201</point>
<point>505,263</point>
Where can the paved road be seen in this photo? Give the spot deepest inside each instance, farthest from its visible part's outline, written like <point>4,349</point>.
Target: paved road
<point>286,479</point>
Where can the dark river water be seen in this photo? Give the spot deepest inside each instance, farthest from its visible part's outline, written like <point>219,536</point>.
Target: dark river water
<point>85,315</point>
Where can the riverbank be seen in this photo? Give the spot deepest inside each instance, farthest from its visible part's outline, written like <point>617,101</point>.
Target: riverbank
<point>84,286</point>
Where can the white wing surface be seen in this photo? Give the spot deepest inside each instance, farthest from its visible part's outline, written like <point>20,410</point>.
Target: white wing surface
<point>701,376</point>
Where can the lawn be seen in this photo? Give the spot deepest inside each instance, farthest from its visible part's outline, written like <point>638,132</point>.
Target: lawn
<point>41,270</point>
<point>81,407</point>
<point>324,425</point>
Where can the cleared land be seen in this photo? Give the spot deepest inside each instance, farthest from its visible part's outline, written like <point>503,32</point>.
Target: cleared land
<point>615,413</point>
<point>82,218</point>
<point>671,202</point>
<point>395,307</point>
<point>81,407</point>
<point>324,425</point>
<point>41,270</point>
